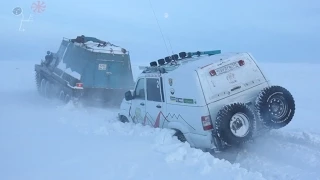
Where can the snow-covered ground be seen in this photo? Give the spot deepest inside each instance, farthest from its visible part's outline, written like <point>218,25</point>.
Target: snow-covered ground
<point>41,139</point>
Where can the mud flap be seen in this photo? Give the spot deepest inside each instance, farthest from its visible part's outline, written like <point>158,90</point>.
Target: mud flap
<point>218,143</point>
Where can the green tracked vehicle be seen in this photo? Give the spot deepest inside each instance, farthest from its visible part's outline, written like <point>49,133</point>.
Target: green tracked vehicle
<point>85,69</point>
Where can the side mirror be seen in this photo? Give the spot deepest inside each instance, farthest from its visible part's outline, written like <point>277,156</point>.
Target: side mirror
<point>128,96</point>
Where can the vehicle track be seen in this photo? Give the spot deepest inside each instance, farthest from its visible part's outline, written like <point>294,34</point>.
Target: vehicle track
<point>283,155</point>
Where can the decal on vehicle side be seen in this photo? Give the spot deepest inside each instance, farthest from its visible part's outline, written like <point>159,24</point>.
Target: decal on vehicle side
<point>183,100</point>
<point>148,120</point>
<point>231,78</point>
<point>172,91</point>
<point>102,67</point>
<point>170,81</point>
<point>156,123</point>
<point>189,101</point>
<point>137,114</point>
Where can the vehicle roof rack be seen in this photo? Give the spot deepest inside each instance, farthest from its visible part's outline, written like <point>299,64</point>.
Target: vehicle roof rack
<point>161,65</point>
<point>199,53</point>
<point>149,69</point>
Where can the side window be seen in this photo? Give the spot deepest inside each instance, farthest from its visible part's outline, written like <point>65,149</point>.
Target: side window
<point>139,93</point>
<point>153,90</point>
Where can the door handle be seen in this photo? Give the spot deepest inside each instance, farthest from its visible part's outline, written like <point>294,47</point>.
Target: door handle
<point>235,88</point>
<point>158,106</point>
<point>142,104</point>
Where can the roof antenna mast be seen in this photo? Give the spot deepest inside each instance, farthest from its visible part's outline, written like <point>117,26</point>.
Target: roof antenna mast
<point>170,45</point>
<point>159,27</point>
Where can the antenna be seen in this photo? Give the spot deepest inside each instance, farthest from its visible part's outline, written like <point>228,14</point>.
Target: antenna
<point>159,26</point>
<point>170,45</point>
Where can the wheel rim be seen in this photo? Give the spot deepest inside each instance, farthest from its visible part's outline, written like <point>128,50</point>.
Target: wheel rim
<point>239,125</point>
<point>278,107</point>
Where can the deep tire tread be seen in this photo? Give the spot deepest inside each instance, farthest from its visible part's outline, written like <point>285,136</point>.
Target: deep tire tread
<point>261,106</point>
<point>223,120</point>
<point>123,119</point>
<point>180,136</point>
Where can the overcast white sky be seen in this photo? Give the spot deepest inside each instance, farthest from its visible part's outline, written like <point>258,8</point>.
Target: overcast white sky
<point>286,30</point>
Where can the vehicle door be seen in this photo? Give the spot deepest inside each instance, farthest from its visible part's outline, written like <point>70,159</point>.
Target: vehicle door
<point>115,74</point>
<point>155,102</point>
<point>138,103</point>
<point>101,76</point>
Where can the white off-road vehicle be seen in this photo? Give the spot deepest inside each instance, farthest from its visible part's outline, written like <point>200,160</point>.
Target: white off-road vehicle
<point>211,99</point>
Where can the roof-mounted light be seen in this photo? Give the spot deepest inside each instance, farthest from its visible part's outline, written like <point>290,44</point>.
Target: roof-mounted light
<point>182,55</point>
<point>153,63</point>
<point>168,59</point>
<point>161,62</point>
<point>175,57</point>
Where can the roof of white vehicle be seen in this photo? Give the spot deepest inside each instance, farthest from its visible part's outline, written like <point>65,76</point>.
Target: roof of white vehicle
<point>194,63</point>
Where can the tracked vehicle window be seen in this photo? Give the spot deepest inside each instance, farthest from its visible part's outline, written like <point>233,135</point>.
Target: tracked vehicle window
<point>153,90</point>
<point>139,93</point>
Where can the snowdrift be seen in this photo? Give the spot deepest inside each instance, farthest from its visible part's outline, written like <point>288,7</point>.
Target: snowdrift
<point>41,139</point>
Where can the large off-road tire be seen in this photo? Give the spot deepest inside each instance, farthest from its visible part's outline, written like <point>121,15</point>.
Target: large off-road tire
<point>64,96</point>
<point>180,136</point>
<point>235,124</point>
<point>123,119</point>
<point>275,107</point>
